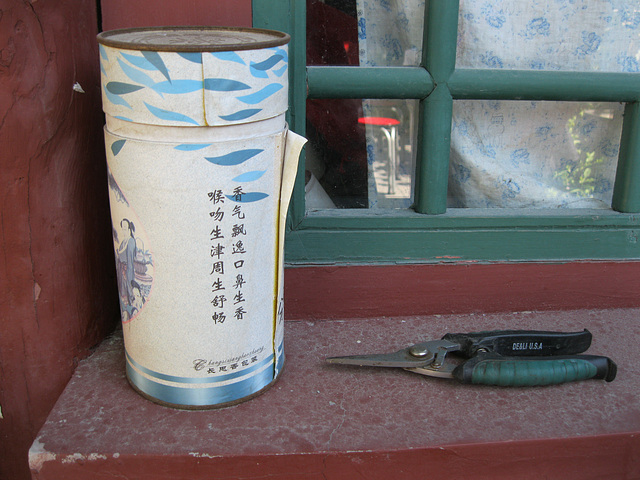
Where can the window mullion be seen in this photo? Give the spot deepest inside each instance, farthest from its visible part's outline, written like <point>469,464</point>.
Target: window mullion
<point>626,191</point>
<point>434,139</point>
<point>440,39</point>
<point>290,16</point>
<point>495,84</point>
<point>368,82</point>
<point>434,134</point>
<point>298,96</point>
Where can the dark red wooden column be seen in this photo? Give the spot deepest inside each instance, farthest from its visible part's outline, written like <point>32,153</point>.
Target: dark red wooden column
<point>56,266</point>
<point>145,13</point>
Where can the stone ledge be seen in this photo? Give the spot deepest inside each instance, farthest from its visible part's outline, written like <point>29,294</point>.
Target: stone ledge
<point>324,421</point>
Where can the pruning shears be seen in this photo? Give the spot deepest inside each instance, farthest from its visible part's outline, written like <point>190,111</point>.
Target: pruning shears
<point>510,358</point>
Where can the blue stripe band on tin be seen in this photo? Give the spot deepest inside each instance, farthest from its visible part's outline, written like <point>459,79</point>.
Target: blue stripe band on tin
<point>201,396</point>
<point>217,379</point>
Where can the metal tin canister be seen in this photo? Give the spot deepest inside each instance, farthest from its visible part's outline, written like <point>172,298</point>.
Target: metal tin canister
<point>200,166</point>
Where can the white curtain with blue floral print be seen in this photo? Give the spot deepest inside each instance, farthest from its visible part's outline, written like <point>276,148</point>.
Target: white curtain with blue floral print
<point>540,154</point>
<point>515,154</point>
<point>390,32</point>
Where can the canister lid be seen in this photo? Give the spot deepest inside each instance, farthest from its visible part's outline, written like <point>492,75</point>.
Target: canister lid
<point>192,39</point>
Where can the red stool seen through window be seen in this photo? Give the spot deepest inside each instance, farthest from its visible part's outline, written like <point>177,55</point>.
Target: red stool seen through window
<point>389,127</point>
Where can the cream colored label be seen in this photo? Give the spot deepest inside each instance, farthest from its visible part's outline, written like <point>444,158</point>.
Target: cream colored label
<point>209,213</point>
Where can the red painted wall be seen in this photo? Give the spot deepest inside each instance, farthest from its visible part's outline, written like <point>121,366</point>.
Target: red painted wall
<point>145,13</point>
<point>56,265</point>
<point>458,288</point>
<point>56,268</point>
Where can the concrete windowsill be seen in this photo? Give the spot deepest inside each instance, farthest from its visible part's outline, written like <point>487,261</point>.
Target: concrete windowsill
<point>323,421</point>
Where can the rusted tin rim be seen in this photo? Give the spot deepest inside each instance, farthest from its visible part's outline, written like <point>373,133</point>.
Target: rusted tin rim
<point>192,38</point>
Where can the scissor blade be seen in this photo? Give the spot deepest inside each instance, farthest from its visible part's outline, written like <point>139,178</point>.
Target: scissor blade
<point>445,371</point>
<point>400,359</point>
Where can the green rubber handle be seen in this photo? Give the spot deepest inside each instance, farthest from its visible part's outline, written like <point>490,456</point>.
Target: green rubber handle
<point>534,371</point>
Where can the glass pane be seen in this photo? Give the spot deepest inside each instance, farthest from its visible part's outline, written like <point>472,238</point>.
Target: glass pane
<point>364,32</point>
<point>360,153</point>
<point>579,35</point>
<point>516,154</point>
<point>332,32</point>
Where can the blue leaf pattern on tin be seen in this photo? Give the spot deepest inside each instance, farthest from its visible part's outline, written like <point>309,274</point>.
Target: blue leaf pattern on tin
<point>229,57</point>
<point>146,69</point>
<point>268,63</point>
<point>194,57</point>
<point>168,115</point>
<point>258,73</point>
<point>156,60</point>
<point>190,147</point>
<point>120,88</point>
<point>281,71</point>
<point>234,158</point>
<point>261,95</point>
<point>103,53</point>
<point>139,62</point>
<point>282,52</point>
<point>177,87</point>
<point>241,115</point>
<point>248,197</point>
<point>224,85</point>
<point>136,75</point>
<point>115,99</point>
<point>117,146</point>
<point>250,176</point>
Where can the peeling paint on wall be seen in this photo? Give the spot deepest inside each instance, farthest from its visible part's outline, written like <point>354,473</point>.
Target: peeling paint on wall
<point>38,456</point>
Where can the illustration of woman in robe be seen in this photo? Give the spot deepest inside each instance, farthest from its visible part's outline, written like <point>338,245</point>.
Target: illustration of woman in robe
<point>126,271</point>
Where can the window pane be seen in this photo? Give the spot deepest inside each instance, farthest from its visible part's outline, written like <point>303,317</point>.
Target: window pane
<point>364,32</point>
<point>580,35</point>
<point>517,154</point>
<point>361,153</point>
<point>332,33</point>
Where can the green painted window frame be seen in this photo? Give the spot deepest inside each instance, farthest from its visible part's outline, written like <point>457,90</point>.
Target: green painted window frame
<point>430,232</point>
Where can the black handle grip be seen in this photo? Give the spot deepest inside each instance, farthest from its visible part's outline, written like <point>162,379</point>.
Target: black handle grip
<point>490,369</point>
<point>522,342</point>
